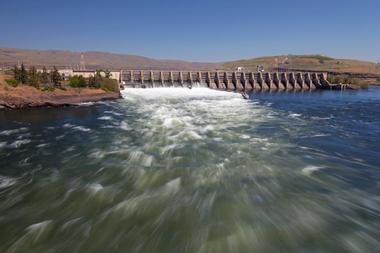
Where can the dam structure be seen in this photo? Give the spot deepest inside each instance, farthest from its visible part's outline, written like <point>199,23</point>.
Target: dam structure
<point>225,80</point>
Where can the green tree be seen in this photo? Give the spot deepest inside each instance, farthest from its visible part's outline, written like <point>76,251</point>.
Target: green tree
<point>77,81</point>
<point>23,75</point>
<point>108,84</point>
<point>44,78</point>
<point>33,77</point>
<point>93,82</point>
<point>98,73</point>
<point>55,77</point>
<point>16,74</point>
<point>107,73</point>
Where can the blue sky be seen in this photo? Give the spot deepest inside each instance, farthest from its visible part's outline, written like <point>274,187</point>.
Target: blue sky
<point>196,30</point>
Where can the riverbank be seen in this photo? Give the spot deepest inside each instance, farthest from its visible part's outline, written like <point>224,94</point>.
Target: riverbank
<point>24,96</point>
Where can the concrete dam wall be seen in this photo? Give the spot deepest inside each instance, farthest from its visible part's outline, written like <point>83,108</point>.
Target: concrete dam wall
<point>225,80</point>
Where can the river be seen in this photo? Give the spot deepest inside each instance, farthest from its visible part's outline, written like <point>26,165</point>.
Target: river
<point>179,170</point>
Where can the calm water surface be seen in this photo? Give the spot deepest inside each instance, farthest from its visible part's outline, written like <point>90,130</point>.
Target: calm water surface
<point>178,170</point>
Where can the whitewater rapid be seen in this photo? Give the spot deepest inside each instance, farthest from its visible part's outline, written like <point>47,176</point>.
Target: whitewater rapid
<point>191,170</point>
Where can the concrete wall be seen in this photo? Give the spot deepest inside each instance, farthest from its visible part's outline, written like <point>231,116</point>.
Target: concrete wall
<point>226,80</point>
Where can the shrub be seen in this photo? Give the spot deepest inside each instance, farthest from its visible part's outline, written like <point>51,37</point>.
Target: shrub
<point>77,81</point>
<point>336,79</point>
<point>108,84</point>
<point>12,82</point>
<point>48,88</point>
<point>103,83</point>
<point>345,79</point>
<point>92,82</point>
<point>96,81</point>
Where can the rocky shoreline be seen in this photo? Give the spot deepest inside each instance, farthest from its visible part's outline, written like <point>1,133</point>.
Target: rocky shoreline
<point>28,97</point>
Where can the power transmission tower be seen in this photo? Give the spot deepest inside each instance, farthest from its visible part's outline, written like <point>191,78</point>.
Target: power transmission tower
<point>82,64</point>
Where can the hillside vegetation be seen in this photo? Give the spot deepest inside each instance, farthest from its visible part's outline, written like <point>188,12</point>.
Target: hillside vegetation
<point>307,62</point>
<point>93,60</point>
<point>102,60</point>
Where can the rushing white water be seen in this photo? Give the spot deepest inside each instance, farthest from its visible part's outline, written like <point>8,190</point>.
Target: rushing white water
<point>175,93</point>
<point>189,170</point>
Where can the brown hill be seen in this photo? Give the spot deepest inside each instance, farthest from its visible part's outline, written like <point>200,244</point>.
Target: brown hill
<point>94,60</point>
<point>307,62</point>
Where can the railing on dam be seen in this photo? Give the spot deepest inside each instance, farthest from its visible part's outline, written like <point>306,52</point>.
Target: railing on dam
<point>225,80</point>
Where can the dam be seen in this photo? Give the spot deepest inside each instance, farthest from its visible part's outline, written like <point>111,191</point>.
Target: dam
<point>225,80</point>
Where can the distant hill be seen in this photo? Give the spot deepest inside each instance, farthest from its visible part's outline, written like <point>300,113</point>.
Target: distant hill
<point>94,60</point>
<point>97,60</point>
<point>306,62</point>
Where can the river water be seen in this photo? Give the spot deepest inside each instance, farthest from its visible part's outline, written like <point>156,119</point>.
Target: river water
<point>179,170</point>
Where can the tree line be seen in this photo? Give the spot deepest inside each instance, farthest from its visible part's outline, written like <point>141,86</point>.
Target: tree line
<point>344,79</point>
<point>53,79</point>
<point>101,80</point>
<point>93,81</point>
<point>34,78</point>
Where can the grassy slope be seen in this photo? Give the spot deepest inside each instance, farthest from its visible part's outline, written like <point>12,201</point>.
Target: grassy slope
<point>308,62</point>
<point>3,77</point>
<point>94,60</point>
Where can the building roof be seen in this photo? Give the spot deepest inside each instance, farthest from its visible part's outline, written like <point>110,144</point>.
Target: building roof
<point>84,71</point>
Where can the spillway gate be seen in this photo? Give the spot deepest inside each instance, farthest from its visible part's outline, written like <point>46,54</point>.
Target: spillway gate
<point>225,80</point>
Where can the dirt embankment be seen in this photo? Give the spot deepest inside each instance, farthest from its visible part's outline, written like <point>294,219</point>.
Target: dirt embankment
<point>24,96</point>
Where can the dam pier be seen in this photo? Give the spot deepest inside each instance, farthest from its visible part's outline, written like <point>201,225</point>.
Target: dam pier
<point>226,80</point>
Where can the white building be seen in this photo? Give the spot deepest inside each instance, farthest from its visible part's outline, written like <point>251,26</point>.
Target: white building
<point>67,73</point>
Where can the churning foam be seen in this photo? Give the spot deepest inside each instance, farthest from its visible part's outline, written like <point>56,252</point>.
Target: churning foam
<point>6,181</point>
<point>309,170</point>
<point>153,93</point>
